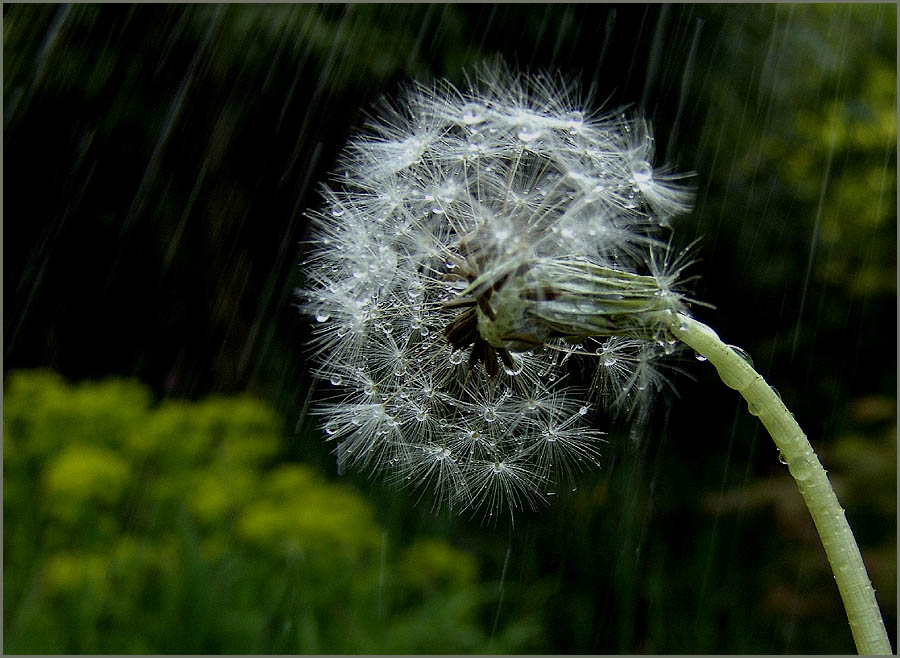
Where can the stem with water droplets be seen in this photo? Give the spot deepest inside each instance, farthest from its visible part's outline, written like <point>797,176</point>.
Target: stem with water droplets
<point>843,554</point>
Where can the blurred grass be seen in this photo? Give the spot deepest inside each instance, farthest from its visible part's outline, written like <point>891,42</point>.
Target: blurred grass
<point>133,527</point>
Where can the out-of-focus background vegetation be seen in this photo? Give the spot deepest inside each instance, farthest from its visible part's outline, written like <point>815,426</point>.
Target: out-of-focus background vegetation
<point>165,490</point>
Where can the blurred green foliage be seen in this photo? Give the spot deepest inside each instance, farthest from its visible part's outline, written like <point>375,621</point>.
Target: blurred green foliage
<point>131,527</point>
<point>812,140</point>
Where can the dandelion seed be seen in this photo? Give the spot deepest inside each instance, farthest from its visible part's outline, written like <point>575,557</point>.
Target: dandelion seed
<point>484,241</point>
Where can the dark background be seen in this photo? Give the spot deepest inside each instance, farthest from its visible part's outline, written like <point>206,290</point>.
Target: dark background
<point>158,161</point>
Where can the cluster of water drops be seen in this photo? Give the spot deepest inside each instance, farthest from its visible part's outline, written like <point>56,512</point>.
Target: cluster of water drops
<point>434,207</point>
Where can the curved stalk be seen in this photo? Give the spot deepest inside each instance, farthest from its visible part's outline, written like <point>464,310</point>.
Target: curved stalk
<point>843,554</point>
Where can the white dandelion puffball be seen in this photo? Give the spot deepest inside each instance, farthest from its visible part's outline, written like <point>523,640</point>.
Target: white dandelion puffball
<point>473,246</point>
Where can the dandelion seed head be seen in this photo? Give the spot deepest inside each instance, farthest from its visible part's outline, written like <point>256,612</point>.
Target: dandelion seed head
<point>474,245</point>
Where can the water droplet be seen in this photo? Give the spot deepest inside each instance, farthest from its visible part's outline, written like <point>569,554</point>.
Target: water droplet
<point>782,458</point>
<point>475,142</point>
<point>699,357</point>
<point>517,366</point>
<point>642,172</point>
<point>472,113</point>
<point>456,357</point>
<point>753,409</point>
<point>490,414</point>
<point>337,211</point>
<point>331,428</point>
<point>528,133</point>
<point>741,353</point>
<point>574,121</point>
<point>322,316</point>
<point>582,411</point>
<point>336,380</point>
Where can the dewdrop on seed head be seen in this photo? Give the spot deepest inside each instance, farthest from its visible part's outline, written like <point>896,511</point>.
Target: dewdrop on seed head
<point>477,245</point>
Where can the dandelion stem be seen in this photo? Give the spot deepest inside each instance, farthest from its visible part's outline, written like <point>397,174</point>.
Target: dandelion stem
<point>840,545</point>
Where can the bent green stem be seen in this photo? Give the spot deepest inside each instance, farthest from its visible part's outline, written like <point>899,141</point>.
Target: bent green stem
<point>843,554</point>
